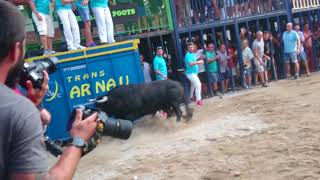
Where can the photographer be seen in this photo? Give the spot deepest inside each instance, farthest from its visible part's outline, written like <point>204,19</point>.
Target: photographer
<point>22,150</point>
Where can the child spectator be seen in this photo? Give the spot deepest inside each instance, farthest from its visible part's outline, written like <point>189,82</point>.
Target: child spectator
<point>192,73</point>
<point>212,67</point>
<point>160,66</point>
<point>104,21</point>
<point>247,57</point>
<point>69,23</point>
<point>42,17</point>
<point>268,55</point>
<point>84,12</point>
<point>224,68</point>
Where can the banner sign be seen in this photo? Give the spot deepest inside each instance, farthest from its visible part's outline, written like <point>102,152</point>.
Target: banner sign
<point>124,13</point>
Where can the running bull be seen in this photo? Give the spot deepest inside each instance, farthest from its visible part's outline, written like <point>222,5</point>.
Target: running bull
<point>137,100</point>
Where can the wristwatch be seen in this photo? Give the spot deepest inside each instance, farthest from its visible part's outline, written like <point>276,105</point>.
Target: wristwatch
<point>77,142</point>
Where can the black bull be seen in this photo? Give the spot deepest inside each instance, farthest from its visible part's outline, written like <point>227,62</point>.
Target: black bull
<point>135,101</point>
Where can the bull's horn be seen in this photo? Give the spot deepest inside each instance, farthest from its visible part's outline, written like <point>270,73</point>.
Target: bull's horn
<point>93,100</point>
<point>103,100</point>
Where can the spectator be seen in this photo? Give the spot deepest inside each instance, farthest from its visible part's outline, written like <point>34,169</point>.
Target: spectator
<point>146,69</point>
<point>22,150</point>
<point>212,67</point>
<point>230,8</point>
<point>104,21</point>
<point>69,22</point>
<point>198,8</point>
<point>142,22</point>
<point>42,17</point>
<point>155,8</point>
<point>268,55</point>
<point>84,12</point>
<point>243,7</point>
<point>232,62</point>
<point>222,8</point>
<point>317,43</point>
<point>258,52</point>
<point>247,56</point>
<point>201,69</point>
<point>302,57</point>
<point>291,44</point>
<point>308,42</point>
<point>224,68</point>
<point>159,65</point>
<point>192,73</point>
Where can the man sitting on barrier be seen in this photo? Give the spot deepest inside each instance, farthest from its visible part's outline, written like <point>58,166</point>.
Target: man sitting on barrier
<point>23,154</point>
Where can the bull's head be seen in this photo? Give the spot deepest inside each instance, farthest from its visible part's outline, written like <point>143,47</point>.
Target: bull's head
<point>100,101</point>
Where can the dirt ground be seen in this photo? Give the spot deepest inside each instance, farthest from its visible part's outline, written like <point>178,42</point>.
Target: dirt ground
<point>271,133</point>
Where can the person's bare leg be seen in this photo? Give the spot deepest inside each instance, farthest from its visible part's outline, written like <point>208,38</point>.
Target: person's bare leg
<point>266,76</point>
<point>288,70</point>
<point>226,85</point>
<point>49,43</point>
<point>305,63</point>
<point>87,33</point>
<point>44,42</point>
<point>261,76</point>
<point>256,80</point>
<point>249,81</point>
<point>296,68</point>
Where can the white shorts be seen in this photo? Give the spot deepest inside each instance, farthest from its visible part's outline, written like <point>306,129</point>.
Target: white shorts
<point>44,27</point>
<point>259,67</point>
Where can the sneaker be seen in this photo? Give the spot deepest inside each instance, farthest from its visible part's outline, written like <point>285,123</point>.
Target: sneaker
<point>264,85</point>
<point>52,52</point>
<point>199,103</point>
<point>92,44</point>
<point>80,47</point>
<point>296,77</point>
<point>46,52</point>
<point>72,48</point>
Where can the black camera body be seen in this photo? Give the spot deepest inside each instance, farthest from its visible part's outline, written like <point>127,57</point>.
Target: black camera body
<point>116,128</point>
<point>33,71</point>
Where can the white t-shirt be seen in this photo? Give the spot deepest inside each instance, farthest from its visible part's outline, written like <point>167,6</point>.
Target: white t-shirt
<point>200,66</point>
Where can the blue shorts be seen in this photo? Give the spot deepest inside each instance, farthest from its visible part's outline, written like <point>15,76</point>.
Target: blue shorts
<point>287,57</point>
<point>84,14</point>
<point>213,77</point>
<point>224,75</point>
<point>247,72</point>
<point>302,56</point>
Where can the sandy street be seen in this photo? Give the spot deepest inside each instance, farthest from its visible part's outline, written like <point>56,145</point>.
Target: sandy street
<point>271,133</point>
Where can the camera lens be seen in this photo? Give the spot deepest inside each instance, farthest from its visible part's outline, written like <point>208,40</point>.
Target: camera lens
<point>50,64</point>
<point>118,128</point>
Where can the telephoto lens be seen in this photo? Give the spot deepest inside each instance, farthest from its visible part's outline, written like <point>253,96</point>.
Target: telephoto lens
<point>116,128</point>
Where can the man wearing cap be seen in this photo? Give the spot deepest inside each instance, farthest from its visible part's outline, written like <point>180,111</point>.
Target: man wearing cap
<point>159,65</point>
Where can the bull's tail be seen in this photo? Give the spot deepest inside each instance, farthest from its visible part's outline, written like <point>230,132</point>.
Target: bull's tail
<point>189,111</point>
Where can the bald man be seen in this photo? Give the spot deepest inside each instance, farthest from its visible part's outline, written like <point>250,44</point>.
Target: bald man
<point>291,42</point>
<point>258,52</point>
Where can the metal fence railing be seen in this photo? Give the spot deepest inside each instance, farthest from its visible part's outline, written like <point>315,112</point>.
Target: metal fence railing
<point>303,4</point>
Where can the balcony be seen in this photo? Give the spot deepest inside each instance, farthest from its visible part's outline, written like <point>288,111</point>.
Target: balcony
<point>202,12</point>
<point>299,5</point>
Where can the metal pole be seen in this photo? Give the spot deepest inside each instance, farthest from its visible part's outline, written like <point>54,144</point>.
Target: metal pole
<point>240,59</point>
<point>206,65</point>
<point>178,45</point>
<point>313,56</point>
<point>274,71</point>
<point>289,10</point>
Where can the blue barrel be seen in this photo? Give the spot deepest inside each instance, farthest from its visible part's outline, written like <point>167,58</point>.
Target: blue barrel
<point>86,74</point>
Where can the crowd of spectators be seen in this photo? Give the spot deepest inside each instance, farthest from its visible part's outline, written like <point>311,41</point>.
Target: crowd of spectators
<point>199,11</point>
<point>263,56</point>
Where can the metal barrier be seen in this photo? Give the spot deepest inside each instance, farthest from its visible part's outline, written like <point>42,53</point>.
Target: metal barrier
<point>304,4</point>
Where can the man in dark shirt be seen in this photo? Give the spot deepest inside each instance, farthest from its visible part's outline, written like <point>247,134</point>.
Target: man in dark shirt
<point>22,149</point>
<point>268,55</point>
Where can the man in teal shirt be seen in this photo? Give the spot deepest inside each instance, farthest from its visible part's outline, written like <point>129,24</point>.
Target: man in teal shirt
<point>42,17</point>
<point>212,67</point>
<point>192,73</point>
<point>291,42</point>
<point>160,66</point>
